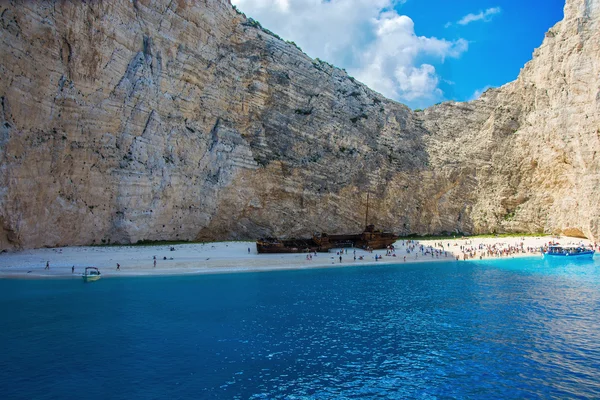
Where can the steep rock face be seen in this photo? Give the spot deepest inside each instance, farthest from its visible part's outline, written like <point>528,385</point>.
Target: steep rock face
<point>154,120</point>
<point>536,141</point>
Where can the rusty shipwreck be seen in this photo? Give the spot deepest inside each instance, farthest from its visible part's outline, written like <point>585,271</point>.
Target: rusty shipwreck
<point>370,238</point>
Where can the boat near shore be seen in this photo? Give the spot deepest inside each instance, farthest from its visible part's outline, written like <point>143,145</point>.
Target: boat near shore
<point>91,274</point>
<point>568,251</point>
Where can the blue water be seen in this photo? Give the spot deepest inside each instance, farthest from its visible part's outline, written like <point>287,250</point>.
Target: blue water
<point>496,329</point>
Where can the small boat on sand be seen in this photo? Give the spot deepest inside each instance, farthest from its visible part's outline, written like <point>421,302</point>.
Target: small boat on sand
<point>556,251</point>
<point>91,274</point>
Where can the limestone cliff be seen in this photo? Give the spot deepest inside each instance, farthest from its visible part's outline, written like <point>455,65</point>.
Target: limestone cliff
<point>534,141</point>
<point>163,120</point>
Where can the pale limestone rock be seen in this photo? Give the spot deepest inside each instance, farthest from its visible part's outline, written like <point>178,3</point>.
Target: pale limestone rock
<point>181,120</point>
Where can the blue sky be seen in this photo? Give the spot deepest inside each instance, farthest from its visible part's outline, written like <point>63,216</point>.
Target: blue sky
<point>498,48</point>
<point>415,51</point>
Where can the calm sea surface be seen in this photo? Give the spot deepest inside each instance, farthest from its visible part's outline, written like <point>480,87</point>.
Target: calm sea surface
<point>507,329</point>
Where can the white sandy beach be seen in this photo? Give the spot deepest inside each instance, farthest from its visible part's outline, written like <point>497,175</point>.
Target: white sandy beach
<point>228,257</point>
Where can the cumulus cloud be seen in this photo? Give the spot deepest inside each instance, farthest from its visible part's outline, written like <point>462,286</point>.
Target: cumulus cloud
<point>485,16</point>
<point>366,37</point>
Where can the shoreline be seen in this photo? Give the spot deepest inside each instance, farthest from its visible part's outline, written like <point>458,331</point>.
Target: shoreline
<point>216,271</point>
<point>234,257</point>
<point>213,258</point>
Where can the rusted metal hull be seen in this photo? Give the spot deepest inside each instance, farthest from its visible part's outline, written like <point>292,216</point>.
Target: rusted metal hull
<point>377,244</point>
<point>287,246</point>
<point>369,239</point>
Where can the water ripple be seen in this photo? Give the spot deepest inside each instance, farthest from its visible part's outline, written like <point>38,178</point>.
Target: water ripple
<point>498,329</point>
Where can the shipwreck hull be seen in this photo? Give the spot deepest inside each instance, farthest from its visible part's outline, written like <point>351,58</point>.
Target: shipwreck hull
<point>369,239</point>
<point>287,246</point>
<point>277,249</point>
<point>377,244</point>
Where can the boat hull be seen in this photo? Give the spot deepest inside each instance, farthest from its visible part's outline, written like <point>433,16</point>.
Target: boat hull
<point>266,249</point>
<point>373,240</point>
<point>377,244</point>
<point>583,255</point>
<point>90,278</point>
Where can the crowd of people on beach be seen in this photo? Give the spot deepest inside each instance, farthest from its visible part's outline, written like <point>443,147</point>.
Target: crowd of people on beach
<point>411,247</point>
<point>463,249</point>
<point>414,247</point>
<point>495,250</point>
<point>498,250</point>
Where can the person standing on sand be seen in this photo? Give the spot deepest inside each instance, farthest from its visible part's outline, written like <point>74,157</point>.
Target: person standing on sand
<point>47,265</point>
<point>248,250</point>
<point>118,267</point>
<point>73,269</point>
<point>340,258</point>
<point>154,262</point>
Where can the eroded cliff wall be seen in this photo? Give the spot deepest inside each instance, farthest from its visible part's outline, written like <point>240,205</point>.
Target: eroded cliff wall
<point>154,120</point>
<point>535,147</point>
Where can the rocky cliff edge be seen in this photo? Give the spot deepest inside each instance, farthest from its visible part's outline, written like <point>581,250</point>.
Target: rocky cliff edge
<point>154,120</point>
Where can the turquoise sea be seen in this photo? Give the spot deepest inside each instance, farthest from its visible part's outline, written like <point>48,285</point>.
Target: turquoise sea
<point>500,329</point>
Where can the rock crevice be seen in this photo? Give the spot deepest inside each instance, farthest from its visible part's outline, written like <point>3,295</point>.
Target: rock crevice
<point>158,120</point>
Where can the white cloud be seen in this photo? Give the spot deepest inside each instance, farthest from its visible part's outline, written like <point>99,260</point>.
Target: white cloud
<point>485,16</point>
<point>477,93</point>
<point>367,37</point>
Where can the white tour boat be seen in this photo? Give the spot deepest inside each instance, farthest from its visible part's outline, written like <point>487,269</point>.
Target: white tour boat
<point>568,251</point>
